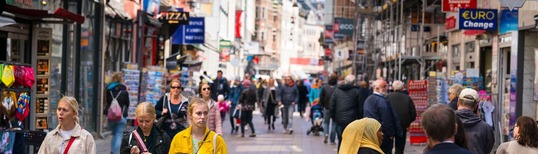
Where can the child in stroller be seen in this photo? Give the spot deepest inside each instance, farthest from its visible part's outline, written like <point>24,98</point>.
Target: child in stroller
<point>316,116</point>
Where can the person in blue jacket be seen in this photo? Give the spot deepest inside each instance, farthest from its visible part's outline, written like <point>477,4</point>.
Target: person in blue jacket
<point>378,107</point>
<point>235,92</point>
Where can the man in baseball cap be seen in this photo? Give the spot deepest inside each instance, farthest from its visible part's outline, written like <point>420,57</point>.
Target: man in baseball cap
<point>482,139</point>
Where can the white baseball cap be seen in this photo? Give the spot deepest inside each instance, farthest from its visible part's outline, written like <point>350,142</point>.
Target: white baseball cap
<point>469,93</point>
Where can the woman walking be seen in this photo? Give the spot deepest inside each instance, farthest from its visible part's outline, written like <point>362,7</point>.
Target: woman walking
<point>247,103</point>
<point>116,91</point>
<point>68,137</point>
<point>171,110</point>
<point>146,138</point>
<point>270,101</point>
<point>197,138</point>
<point>213,122</point>
<point>526,138</point>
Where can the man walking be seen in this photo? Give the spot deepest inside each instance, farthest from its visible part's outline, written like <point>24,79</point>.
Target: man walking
<point>345,106</point>
<point>453,93</point>
<point>405,109</point>
<point>377,107</point>
<point>480,134</point>
<point>439,123</point>
<point>220,86</point>
<point>325,99</point>
<point>288,95</point>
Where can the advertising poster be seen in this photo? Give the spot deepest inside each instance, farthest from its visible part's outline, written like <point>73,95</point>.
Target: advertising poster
<point>224,51</point>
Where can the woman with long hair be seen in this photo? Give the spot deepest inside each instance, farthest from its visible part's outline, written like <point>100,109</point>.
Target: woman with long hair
<point>117,91</point>
<point>146,138</point>
<point>270,102</point>
<point>213,122</point>
<point>68,137</point>
<point>197,138</point>
<point>171,110</point>
<point>526,138</point>
<point>362,136</point>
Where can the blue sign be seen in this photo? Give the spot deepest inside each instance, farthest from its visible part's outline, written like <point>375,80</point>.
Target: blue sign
<point>509,21</point>
<point>152,6</point>
<point>478,19</point>
<point>190,34</point>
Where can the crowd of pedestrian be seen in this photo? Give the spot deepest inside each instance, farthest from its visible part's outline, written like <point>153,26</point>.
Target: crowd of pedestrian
<point>358,117</point>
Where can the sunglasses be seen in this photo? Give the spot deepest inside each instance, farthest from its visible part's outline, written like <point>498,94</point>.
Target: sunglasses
<point>178,87</point>
<point>204,89</point>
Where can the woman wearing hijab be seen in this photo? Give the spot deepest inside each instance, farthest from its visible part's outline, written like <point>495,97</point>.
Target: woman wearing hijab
<point>68,137</point>
<point>362,136</point>
<point>213,122</point>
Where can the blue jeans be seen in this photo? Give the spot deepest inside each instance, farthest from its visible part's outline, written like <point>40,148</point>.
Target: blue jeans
<point>117,132</point>
<point>329,126</point>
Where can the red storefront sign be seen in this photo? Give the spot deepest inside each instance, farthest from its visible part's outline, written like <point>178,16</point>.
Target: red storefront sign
<point>238,23</point>
<point>455,5</point>
<point>450,23</point>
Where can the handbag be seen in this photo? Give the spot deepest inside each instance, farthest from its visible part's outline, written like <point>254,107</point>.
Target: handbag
<point>160,121</point>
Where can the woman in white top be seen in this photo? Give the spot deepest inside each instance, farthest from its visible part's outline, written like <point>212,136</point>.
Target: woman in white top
<point>526,138</point>
<point>68,137</point>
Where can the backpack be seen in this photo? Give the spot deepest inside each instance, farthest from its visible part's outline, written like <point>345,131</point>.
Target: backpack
<point>114,112</point>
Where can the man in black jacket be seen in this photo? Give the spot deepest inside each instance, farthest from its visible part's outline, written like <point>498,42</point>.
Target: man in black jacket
<point>324,100</point>
<point>345,106</point>
<point>220,86</point>
<point>480,134</point>
<point>405,110</point>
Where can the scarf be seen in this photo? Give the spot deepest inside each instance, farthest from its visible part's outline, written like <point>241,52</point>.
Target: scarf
<point>361,134</point>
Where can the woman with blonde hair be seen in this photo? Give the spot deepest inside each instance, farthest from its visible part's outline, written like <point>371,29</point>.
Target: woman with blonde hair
<point>68,137</point>
<point>197,138</point>
<point>116,91</point>
<point>362,136</point>
<point>214,120</point>
<point>146,138</point>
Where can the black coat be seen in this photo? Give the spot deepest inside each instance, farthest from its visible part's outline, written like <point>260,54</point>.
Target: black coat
<point>346,105</point>
<point>404,107</point>
<point>123,98</point>
<point>325,95</point>
<point>159,144</point>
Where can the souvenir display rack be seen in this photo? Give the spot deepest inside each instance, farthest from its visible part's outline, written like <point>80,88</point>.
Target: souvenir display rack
<point>418,91</point>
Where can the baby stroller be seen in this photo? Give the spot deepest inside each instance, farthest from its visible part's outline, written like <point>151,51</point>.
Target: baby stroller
<point>316,115</point>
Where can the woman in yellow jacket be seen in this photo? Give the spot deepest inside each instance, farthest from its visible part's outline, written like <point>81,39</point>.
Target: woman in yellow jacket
<point>197,138</point>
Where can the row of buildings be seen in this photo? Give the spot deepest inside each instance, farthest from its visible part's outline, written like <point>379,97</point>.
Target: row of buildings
<point>491,41</point>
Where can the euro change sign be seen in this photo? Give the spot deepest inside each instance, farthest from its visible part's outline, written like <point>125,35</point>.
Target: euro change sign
<point>478,19</point>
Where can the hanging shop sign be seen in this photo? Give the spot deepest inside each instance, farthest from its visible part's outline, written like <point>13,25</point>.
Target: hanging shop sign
<point>478,19</point>
<point>455,5</point>
<point>509,21</point>
<point>451,22</point>
<point>192,33</point>
<point>224,51</point>
<point>343,27</point>
<point>511,4</point>
<point>181,18</point>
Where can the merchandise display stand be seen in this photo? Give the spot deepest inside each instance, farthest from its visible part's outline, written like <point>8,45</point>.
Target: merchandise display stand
<point>418,91</point>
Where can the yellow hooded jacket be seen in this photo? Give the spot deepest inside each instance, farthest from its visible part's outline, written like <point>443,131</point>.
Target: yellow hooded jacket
<point>182,143</point>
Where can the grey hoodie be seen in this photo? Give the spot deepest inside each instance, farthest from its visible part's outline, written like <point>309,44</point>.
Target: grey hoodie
<point>479,134</point>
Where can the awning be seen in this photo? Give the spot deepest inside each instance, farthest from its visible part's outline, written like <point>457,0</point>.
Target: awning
<point>40,14</point>
<point>4,21</point>
<point>152,21</point>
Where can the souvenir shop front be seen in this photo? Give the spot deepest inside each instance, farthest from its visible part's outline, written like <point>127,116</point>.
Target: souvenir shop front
<point>37,44</point>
